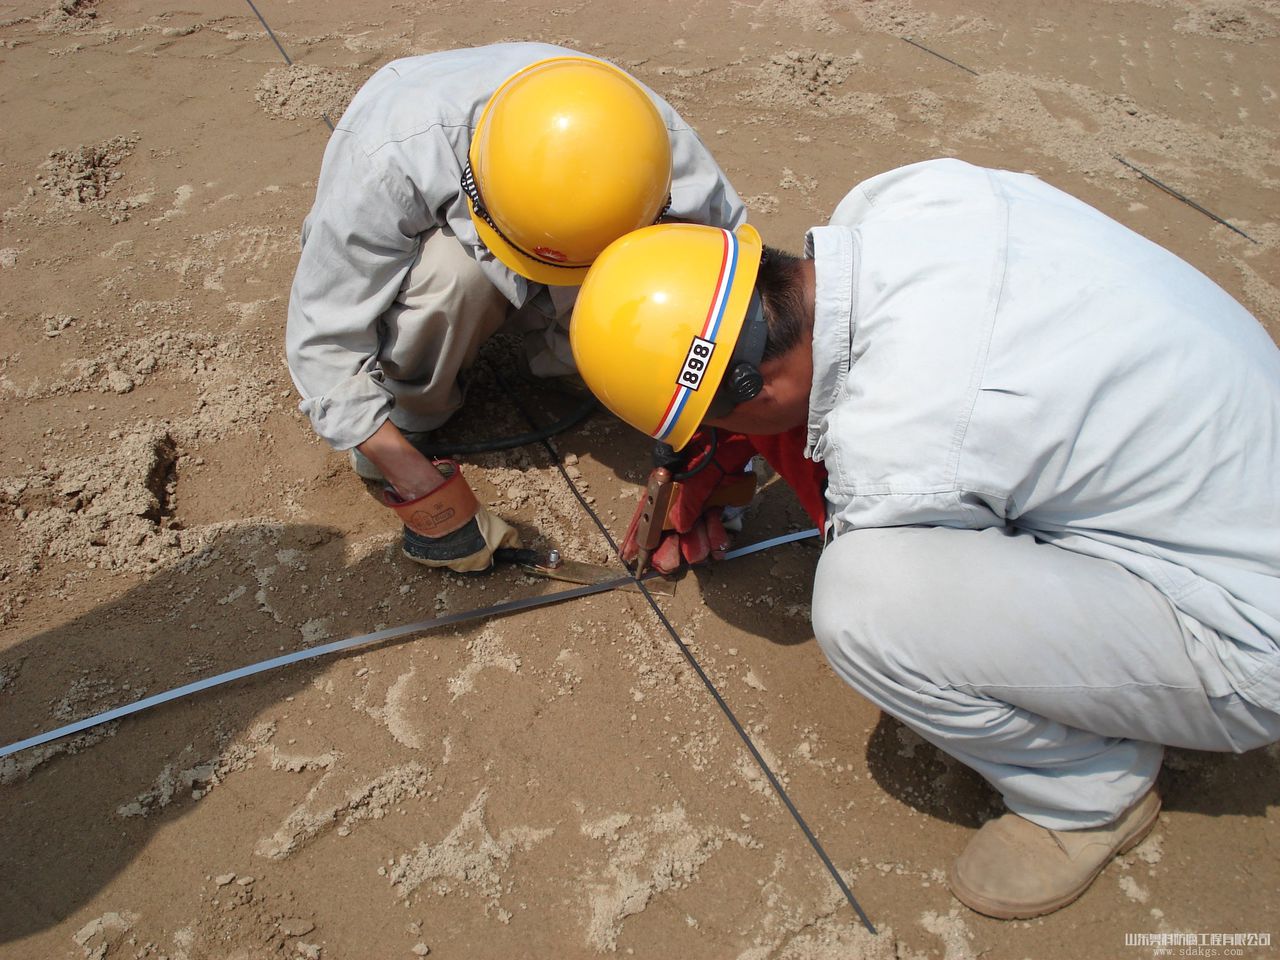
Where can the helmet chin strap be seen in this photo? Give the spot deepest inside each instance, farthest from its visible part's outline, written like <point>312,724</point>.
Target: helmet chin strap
<point>471,189</point>
<point>742,379</point>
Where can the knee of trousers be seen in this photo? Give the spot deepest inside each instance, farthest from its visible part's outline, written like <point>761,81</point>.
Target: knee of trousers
<point>871,610</point>
<point>444,276</point>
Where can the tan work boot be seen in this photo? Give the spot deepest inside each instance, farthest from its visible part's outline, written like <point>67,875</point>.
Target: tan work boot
<point>1013,868</point>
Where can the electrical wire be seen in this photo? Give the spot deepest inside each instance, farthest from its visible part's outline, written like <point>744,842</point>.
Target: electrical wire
<point>702,675</point>
<point>543,435</point>
<point>443,449</point>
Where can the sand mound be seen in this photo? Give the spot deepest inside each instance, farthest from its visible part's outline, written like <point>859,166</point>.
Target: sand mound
<point>470,855</point>
<point>336,803</point>
<point>802,78</point>
<point>72,13</point>
<point>648,856</point>
<point>82,177</point>
<point>1228,21</point>
<point>293,93</point>
<point>106,511</point>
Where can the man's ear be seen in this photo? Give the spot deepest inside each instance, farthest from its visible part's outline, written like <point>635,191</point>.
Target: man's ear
<point>789,378</point>
<point>744,381</point>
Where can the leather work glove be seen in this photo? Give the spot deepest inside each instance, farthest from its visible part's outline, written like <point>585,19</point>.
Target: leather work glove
<point>694,525</point>
<point>449,527</point>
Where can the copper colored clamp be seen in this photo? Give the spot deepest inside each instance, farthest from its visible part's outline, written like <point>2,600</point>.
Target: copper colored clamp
<point>657,500</point>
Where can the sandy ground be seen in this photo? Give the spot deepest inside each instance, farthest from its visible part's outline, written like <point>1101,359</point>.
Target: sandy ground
<point>557,783</point>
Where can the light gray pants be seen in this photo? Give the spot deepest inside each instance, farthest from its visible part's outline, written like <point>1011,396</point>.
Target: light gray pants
<point>445,310</point>
<point>1055,675</point>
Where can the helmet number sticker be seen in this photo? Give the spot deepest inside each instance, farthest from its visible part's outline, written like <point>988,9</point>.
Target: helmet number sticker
<point>695,363</point>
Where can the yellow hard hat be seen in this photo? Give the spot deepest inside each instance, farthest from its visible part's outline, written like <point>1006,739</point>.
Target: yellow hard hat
<point>569,154</point>
<point>668,323</point>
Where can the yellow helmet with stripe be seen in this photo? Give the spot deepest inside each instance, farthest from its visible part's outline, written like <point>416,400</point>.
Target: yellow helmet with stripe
<point>668,326</point>
<point>569,154</point>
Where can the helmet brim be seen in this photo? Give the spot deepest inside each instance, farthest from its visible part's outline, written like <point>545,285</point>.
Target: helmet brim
<point>519,262</point>
<point>749,248</point>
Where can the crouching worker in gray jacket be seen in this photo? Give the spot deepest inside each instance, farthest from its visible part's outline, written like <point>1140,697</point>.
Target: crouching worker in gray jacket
<point>460,192</point>
<point>1052,508</point>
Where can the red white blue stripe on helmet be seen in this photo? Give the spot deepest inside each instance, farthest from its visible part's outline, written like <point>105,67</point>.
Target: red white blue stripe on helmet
<point>710,329</point>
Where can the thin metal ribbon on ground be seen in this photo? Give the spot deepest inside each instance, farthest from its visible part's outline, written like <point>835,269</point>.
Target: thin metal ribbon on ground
<point>361,640</point>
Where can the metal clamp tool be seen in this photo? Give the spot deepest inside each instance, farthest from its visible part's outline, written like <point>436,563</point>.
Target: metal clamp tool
<point>657,500</point>
<point>555,567</point>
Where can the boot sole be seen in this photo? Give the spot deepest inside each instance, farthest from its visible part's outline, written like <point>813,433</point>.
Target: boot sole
<point>1006,911</point>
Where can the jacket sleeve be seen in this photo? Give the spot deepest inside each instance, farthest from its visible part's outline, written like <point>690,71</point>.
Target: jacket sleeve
<point>700,191</point>
<point>358,242</point>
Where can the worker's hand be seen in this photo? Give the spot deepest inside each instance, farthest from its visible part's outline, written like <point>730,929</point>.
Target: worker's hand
<point>401,464</point>
<point>449,527</point>
<point>694,523</point>
<point>705,538</point>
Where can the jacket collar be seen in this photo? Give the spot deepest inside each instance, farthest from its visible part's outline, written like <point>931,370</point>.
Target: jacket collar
<point>834,254</point>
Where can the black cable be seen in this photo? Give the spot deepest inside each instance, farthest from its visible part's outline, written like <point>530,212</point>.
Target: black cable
<point>706,681</point>
<point>438,450</point>
<point>664,455</point>
<point>939,56</point>
<point>543,435</point>
<point>270,33</point>
<point>1183,197</point>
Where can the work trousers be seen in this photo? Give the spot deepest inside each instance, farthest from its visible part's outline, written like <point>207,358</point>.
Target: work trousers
<point>430,337</point>
<point>1057,676</point>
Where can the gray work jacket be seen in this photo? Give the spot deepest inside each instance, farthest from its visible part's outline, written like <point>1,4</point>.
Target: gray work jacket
<point>391,172</point>
<point>990,351</point>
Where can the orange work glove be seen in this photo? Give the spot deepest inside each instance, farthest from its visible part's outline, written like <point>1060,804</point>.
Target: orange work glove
<point>449,527</point>
<point>785,453</point>
<point>694,522</point>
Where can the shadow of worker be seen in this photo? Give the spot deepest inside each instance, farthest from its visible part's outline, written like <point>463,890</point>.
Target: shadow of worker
<point>928,780</point>
<point>73,810</point>
<point>766,594</point>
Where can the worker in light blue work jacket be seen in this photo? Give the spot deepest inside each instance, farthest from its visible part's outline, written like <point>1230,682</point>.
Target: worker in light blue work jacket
<point>1052,483</point>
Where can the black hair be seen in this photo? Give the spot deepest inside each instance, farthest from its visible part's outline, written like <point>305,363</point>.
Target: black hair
<point>782,298</point>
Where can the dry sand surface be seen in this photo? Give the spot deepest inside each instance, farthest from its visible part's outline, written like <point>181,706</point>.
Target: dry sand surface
<point>556,783</point>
